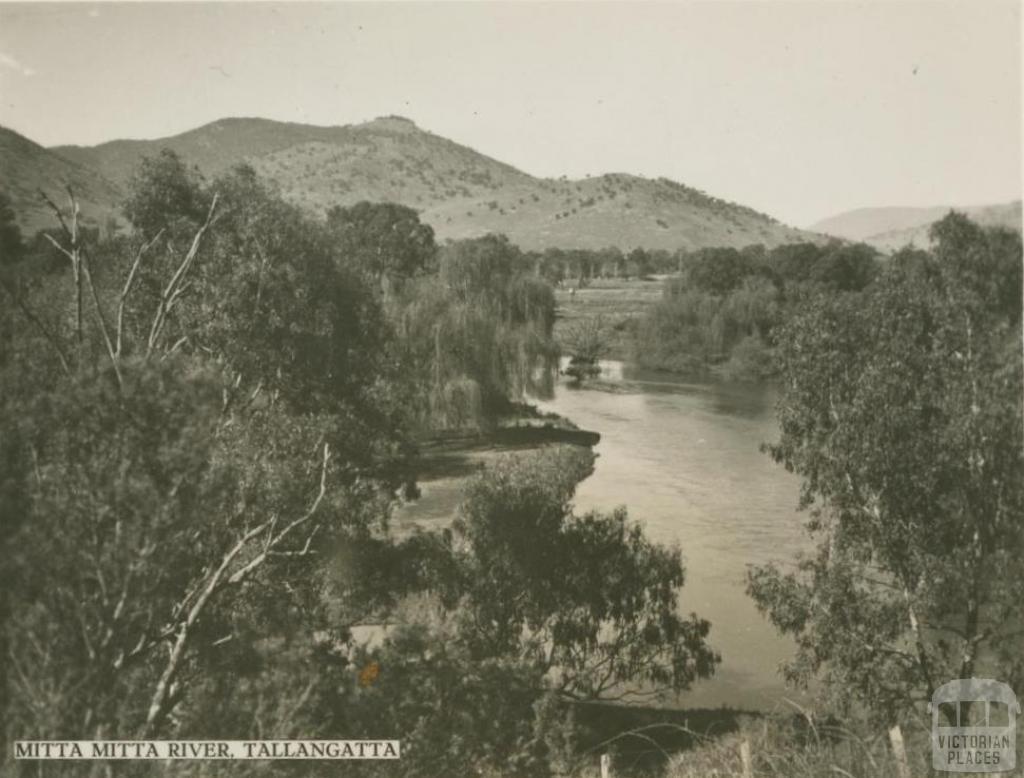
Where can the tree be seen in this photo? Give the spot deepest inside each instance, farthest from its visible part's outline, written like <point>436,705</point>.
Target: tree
<point>718,271</point>
<point>385,240</point>
<point>638,263</point>
<point>846,268</point>
<point>194,468</point>
<point>589,598</point>
<point>478,335</point>
<point>481,268</point>
<point>794,262</point>
<point>902,414</point>
<point>586,341</point>
<point>166,195</point>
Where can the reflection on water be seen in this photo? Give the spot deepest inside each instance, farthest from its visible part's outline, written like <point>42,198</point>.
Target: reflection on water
<point>685,460</point>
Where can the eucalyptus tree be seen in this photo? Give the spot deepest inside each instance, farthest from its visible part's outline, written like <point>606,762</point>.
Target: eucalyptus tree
<point>588,598</point>
<point>386,240</point>
<point>901,411</point>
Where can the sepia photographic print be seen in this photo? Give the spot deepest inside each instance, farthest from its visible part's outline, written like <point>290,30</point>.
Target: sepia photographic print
<point>511,389</point>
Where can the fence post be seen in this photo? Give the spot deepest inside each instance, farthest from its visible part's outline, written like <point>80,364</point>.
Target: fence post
<point>748,768</point>
<point>606,766</point>
<point>899,752</point>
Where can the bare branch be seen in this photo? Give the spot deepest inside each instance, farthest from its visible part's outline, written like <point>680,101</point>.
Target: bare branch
<point>72,253</point>
<point>160,704</point>
<point>258,560</point>
<point>57,211</point>
<point>163,698</point>
<point>128,287</point>
<point>111,352</point>
<point>59,247</point>
<point>174,287</point>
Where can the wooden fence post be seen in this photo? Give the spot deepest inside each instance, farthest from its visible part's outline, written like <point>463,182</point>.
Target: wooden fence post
<point>748,767</point>
<point>606,766</point>
<point>899,751</point>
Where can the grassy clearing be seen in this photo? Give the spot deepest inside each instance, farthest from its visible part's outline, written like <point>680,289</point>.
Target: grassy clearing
<point>618,301</point>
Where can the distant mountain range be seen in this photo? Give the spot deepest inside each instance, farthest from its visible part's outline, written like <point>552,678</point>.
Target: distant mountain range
<point>458,191</point>
<point>889,229</point>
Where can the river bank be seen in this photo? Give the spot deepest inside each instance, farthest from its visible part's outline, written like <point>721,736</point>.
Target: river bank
<point>448,459</point>
<point>622,306</point>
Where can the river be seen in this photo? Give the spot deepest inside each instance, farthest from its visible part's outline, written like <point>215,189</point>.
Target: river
<point>684,459</point>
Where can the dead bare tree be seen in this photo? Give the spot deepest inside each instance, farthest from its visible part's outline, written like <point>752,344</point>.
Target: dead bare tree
<point>78,255</point>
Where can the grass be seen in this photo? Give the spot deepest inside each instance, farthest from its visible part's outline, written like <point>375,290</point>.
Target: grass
<point>617,301</point>
<point>779,746</point>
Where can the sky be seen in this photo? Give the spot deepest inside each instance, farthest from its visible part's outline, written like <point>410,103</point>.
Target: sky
<point>798,109</point>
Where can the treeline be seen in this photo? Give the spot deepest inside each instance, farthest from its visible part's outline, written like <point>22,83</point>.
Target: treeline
<point>789,262</point>
<point>580,266</point>
<point>206,423</point>
<point>720,311</point>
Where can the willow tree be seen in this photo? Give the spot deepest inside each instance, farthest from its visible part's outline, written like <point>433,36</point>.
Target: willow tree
<point>479,333</point>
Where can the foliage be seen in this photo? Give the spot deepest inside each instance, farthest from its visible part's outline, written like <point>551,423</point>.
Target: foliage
<point>194,460</point>
<point>588,598</point>
<point>479,334</point>
<point>721,311</point>
<point>386,240</point>
<point>456,714</point>
<point>165,194</point>
<point>902,414</point>
<point>586,342</point>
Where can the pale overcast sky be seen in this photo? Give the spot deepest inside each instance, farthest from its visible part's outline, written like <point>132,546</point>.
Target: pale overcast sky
<point>799,109</point>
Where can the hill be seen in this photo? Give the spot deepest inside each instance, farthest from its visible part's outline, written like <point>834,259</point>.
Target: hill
<point>458,191</point>
<point>889,229</point>
<point>26,168</point>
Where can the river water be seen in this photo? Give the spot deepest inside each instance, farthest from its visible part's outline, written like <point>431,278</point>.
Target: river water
<point>684,459</point>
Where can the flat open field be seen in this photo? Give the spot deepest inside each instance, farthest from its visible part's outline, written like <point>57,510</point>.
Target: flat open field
<point>616,300</point>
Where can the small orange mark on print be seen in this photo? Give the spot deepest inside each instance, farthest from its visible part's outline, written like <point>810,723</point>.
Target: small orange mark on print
<point>369,674</point>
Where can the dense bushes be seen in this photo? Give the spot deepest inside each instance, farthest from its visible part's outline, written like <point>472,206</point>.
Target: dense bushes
<point>720,312</point>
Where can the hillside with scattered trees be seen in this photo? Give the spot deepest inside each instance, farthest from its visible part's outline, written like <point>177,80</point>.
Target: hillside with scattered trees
<point>458,191</point>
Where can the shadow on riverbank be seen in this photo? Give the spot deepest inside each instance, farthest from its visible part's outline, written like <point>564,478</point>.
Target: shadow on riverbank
<point>461,454</point>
